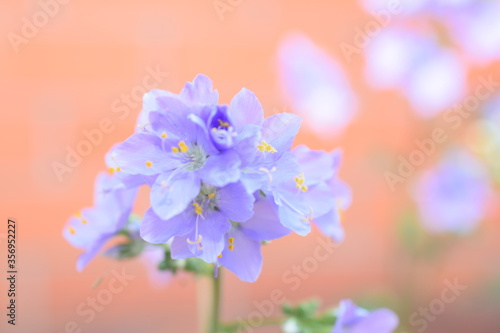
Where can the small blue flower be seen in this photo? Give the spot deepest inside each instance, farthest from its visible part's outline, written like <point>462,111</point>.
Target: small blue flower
<point>91,228</point>
<point>353,319</point>
<point>325,193</point>
<point>431,76</point>
<point>242,253</point>
<point>203,224</point>
<point>453,196</point>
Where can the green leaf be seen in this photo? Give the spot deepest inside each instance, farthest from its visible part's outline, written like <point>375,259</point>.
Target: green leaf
<point>304,318</point>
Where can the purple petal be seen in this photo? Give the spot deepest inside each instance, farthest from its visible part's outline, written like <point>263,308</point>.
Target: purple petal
<point>173,192</point>
<point>246,109</point>
<point>180,249</point>
<point>353,319</point>
<point>200,91</point>
<point>280,129</point>
<point>141,153</point>
<point>293,215</point>
<point>380,321</point>
<point>150,104</point>
<point>329,225</point>
<point>222,169</point>
<point>212,230</point>
<point>265,224</point>
<point>317,166</point>
<point>245,260</point>
<point>155,230</point>
<point>88,255</point>
<point>234,201</point>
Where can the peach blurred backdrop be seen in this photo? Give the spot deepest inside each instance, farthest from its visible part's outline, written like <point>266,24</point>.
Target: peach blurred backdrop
<point>66,79</point>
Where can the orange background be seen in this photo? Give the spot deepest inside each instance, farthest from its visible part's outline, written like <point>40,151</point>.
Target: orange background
<point>65,80</point>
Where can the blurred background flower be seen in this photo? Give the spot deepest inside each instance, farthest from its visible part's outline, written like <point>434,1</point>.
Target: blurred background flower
<point>431,76</point>
<point>315,85</point>
<point>454,195</point>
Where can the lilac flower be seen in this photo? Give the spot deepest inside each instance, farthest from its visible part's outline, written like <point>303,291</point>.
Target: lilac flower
<point>476,28</point>
<point>277,173</point>
<point>241,252</point>
<point>353,319</point>
<point>452,196</point>
<point>93,226</point>
<point>315,86</point>
<point>324,191</point>
<point>203,224</point>
<point>431,76</point>
<point>189,140</point>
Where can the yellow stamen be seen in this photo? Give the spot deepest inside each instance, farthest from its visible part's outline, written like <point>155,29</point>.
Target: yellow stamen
<point>231,247</point>
<point>111,170</point>
<point>197,208</point>
<point>223,123</point>
<point>211,195</point>
<point>164,135</point>
<point>220,256</point>
<point>198,241</point>
<point>72,230</point>
<point>264,146</point>
<point>231,240</point>
<point>78,214</point>
<point>183,147</point>
<point>118,169</point>
<point>149,164</point>
<point>299,181</point>
<point>84,221</point>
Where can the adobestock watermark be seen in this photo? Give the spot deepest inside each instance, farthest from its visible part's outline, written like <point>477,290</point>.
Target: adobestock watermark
<point>48,9</point>
<point>93,305</point>
<point>120,108</point>
<point>363,36</point>
<point>292,279</point>
<point>455,116</point>
<point>224,6</point>
<point>420,319</point>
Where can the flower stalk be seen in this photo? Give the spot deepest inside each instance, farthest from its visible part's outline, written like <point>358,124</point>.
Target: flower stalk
<point>214,318</point>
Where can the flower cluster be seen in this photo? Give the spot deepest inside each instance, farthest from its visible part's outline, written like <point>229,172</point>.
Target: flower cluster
<point>223,179</point>
<point>429,48</point>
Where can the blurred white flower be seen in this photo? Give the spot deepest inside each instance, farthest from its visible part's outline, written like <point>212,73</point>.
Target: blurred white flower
<point>315,86</point>
<point>431,76</point>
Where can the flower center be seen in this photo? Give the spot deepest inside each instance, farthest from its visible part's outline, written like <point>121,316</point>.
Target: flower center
<point>194,157</point>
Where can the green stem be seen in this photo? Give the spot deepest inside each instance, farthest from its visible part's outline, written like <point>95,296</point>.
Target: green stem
<point>214,320</point>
